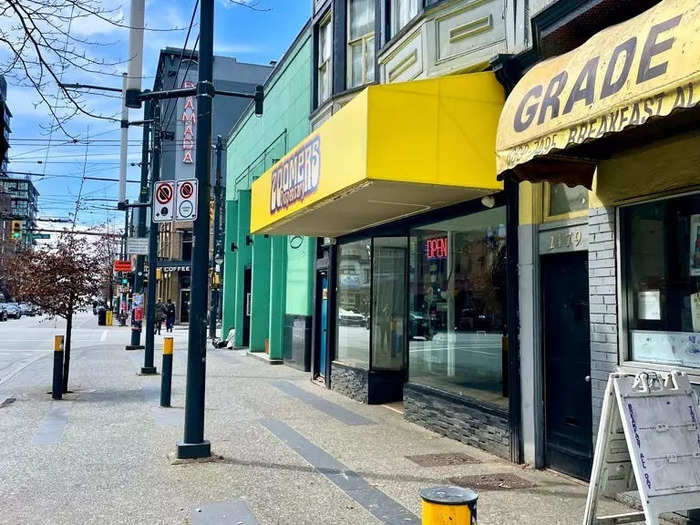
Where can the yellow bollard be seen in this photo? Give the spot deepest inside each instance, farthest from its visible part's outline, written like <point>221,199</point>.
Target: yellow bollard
<point>108,318</point>
<point>449,506</point>
<point>166,369</point>
<point>57,384</point>
<point>167,345</point>
<point>58,343</point>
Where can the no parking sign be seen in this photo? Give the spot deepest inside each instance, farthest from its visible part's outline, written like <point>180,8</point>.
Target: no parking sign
<point>163,201</point>
<point>186,200</point>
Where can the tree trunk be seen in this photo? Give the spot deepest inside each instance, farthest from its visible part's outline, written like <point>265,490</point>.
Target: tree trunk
<point>66,351</point>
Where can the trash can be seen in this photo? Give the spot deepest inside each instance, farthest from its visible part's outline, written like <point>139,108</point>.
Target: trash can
<point>101,317</point>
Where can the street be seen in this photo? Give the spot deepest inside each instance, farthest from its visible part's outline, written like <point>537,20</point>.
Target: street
<point>285,451</point>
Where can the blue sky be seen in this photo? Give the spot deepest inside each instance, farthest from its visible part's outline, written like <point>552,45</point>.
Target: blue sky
<point>249,36</point>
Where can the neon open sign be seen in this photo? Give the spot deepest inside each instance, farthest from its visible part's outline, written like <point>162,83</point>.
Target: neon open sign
<point>436,248</point>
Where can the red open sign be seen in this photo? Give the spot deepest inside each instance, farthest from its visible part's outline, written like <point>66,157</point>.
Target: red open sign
<point>436,248</point>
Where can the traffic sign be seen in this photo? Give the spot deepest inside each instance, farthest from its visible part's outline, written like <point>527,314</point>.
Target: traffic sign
<point>186,200</point>
<point>38,236</point>
<point>122,266</point>
<point>163,201</point>
<point>137,245</point>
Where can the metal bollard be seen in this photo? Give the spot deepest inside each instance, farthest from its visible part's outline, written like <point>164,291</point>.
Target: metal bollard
<point>447,505</point>
<point>57,387</point>
<point>166,372</point>
<point>108,318</point>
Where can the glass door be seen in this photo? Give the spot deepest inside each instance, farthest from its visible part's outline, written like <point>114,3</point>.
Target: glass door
<point>389,298</point>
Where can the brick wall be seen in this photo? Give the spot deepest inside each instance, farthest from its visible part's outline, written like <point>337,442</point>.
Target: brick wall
<point>603,302</point>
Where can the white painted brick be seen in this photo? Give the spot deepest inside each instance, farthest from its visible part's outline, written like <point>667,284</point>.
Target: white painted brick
<point>598,237</point>
<point>597,299</point>
<point>610,318</point>
<point>610,299</point>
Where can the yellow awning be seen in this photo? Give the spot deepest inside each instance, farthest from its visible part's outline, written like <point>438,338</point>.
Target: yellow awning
<point>393,151</point>
<point>623,76</point>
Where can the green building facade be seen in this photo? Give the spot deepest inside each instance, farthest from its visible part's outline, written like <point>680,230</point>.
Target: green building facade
<point>268,280</point>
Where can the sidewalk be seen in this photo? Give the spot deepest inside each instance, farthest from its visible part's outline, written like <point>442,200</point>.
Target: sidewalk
<point>289,452</point>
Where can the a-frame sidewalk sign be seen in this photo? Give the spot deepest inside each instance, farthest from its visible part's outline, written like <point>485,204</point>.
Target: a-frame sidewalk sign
<point>648,439</point>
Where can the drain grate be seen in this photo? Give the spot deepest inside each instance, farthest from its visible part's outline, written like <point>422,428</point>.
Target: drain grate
<point>442,460</point>
<point>492,482</point>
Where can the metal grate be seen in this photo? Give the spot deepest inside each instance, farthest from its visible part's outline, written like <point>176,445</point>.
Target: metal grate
<point>442,460</point>
<point>492,482</point>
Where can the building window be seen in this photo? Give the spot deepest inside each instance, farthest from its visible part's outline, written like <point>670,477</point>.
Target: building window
<point>457,306</point>
<point>402,11</point>
<point>360,58</point>
<point>325,47</point>
<point>353,299</point>
<point>661,264</point>
<point>186,254</point>
<point>562,202</point>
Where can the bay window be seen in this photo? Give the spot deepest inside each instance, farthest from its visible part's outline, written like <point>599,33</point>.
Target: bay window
<point>360,58</point>
<point>402,11</point>
<point>325,46</point>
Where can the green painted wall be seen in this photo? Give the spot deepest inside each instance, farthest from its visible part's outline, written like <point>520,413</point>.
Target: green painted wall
<point>231,235</point>
<point>255,144</point>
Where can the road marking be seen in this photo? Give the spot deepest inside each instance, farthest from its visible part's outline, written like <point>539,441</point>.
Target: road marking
<point>13,374</point>
<point>53,425</point>
<point>103,337</point>
<point>223,513</point>
<point>372,499</point>
<point>341,414</point>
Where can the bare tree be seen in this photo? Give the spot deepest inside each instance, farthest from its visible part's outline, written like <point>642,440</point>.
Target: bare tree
<point>40,45</point>
<point>62,280</point>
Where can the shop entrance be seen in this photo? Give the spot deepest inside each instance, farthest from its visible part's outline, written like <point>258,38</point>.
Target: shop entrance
<point>185,306</point>
<point>567,364</point>
<point>321,355</point>
<point>247,279</point>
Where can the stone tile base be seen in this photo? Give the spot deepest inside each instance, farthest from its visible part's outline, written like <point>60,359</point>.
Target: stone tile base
<point>465,420</point>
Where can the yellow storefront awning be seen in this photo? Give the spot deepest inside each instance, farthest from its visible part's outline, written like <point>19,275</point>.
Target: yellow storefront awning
<point>393,151</point>
<point>638,70</point>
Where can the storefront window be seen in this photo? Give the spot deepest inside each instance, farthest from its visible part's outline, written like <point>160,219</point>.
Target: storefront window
<point>661,261</point>
<point>353,299</point>
<point>389,302</point>
<point>457,305</point>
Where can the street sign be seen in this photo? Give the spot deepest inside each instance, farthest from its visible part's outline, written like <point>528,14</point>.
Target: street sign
<point>137,245</point>
<point>122,266</point>
<point>41,236</point>
<point>186,200</point>
<point>163,201</point>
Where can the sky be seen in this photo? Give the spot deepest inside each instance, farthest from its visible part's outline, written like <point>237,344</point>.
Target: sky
<point>248,35</point>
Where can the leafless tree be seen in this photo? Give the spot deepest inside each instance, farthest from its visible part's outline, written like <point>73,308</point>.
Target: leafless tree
<point>39,46</point>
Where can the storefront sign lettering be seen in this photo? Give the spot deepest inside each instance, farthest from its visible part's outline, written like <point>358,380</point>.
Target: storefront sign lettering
<point>436,248</point>
<point>189,119</point>
<point>585,88</point>
<point>622,77</point>
<point>297,176</point>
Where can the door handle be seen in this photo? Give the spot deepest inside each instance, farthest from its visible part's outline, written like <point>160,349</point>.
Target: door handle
<point>587,379</point>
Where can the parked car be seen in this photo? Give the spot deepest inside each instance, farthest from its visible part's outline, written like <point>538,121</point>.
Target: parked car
<point>350,318</point>
<point>13,310</point>
<point>3,312</point>
<point>27,309</point>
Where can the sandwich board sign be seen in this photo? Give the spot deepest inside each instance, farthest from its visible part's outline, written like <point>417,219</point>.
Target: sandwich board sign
<point>648,438</point>
<point>163,201</point>
<point>186,200</point>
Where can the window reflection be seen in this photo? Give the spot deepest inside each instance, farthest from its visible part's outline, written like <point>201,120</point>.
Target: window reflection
<point>457,304</point>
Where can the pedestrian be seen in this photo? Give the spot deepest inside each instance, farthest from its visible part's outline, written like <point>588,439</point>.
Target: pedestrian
<point>160,316</point>
<point>170,315</point>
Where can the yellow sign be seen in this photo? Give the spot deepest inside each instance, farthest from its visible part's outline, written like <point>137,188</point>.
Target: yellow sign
<point>393,150</point>
<point>623,76</point>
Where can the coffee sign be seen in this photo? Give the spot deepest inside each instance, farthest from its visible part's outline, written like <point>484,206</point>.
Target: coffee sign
<point>623,76</point>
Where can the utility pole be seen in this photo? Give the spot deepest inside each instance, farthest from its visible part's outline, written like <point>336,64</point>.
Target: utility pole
<point>194,445</point>
<point>152,249</point>
<point>141,225</point>
<point>217,259</point>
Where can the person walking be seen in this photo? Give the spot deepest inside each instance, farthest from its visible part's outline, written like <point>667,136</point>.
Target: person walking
<point>160,316</point>
<point>170,315</point>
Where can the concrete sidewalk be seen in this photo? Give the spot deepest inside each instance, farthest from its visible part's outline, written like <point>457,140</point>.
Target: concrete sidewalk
<point>288,452</point>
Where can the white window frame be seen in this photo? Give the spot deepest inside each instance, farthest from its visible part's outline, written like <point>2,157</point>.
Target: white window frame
<point>393,15</point>
<point>622,322</point>
<point>327,65</point>
<point>348,51</point>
